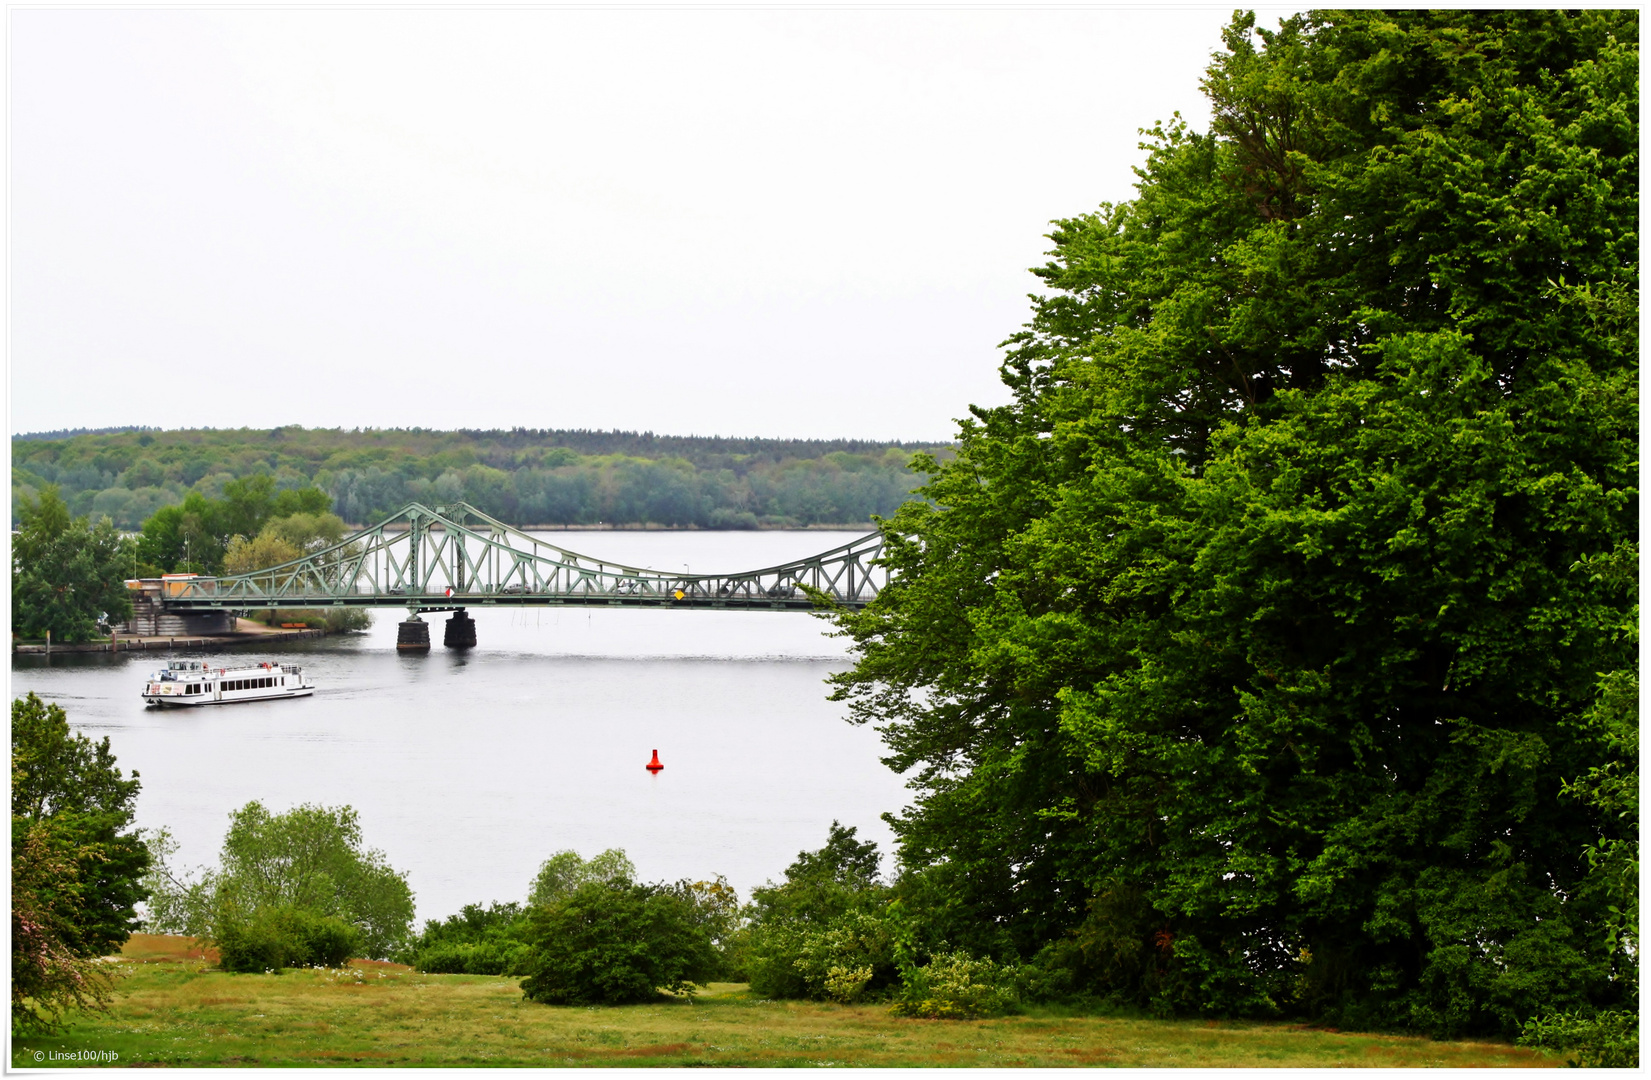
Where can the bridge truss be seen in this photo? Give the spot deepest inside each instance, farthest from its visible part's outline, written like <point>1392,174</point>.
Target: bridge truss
<point>455,556</point>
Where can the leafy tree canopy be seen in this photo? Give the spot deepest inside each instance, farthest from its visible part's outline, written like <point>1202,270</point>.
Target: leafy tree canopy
<point>66,573</point>
<point>76,867</point>
<point>252,521</point>
<point>1246,654</point>
<point>821,885</point>
<point>309,859</point>
<point>564,872</point>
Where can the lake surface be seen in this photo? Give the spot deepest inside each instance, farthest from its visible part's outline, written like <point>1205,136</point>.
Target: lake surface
<point>469,769</point>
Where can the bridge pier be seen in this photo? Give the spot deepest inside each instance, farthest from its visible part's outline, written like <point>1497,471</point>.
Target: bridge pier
<point>461,631</point>
<point>413,635</point>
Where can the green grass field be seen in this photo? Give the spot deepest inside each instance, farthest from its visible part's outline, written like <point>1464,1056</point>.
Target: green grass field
<point>171,1008</point>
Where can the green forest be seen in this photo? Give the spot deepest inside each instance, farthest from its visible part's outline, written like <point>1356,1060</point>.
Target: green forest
<point>520,476</point>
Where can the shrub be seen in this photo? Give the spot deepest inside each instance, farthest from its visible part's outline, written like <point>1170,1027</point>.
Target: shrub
<point>269,939</point>
<point>1607,1040</point>
<point>616,942</point>
<point>842,961</point>
<point>476,941</point>
<point>956,986</point>
<point>822,932</point>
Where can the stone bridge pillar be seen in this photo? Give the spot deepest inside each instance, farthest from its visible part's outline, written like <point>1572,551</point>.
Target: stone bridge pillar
<point>461,631</point>
<point>413,635</point>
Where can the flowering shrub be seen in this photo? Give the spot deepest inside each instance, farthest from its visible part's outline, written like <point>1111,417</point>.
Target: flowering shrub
<point>847,984</point>
<point>841,961</point>
<point>956,986</point>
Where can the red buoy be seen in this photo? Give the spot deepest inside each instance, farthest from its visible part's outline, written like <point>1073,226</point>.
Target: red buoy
<point>654,766</point>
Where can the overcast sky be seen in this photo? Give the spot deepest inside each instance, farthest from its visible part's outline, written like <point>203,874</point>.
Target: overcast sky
<point>715,222</point>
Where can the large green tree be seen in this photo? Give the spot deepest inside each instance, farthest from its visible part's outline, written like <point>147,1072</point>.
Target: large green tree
<point>66,572</point>
<point>77,866</point>
<point>1244,659</point>
<point>310,859</point>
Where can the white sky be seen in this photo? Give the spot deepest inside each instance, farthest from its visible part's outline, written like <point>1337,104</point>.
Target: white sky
<point>808,223</point>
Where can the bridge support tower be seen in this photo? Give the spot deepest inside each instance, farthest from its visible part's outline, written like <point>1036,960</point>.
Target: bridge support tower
<point>461,631</point>
<point>413,635</point>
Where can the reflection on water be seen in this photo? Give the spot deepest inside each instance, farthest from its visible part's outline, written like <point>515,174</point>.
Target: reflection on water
<point>468,769</point>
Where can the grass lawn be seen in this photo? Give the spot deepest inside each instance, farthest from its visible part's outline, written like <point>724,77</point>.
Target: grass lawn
<point>172,1009</point>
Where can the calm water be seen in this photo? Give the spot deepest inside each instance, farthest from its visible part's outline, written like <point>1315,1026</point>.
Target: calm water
<point>469,769</point>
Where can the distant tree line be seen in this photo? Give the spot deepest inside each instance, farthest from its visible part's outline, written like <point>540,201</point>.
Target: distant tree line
<point>526,477</point>
<point>65,433</point>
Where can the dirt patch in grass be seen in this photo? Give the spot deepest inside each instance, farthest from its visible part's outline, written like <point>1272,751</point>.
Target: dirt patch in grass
<point>167,947</point>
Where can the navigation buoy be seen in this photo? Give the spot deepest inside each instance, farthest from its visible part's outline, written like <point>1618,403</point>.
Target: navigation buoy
<point>654,766</point>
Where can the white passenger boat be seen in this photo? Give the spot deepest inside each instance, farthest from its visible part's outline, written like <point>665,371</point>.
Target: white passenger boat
<point>190,682</point>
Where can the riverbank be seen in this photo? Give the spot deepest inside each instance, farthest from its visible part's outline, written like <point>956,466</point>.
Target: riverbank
<point>171,1009</point>
<point>247,632</point>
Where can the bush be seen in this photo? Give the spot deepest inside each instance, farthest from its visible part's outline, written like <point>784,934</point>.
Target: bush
<point>843,961</point>
<point>269,939</point>
<point>476,941</point>
<point>822,932</point>
<point>956,986</point>
<point>611,943</point>
<point>1607,1040</point>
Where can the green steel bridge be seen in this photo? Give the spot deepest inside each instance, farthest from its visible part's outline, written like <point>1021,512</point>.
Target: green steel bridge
<point>452,557</point>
